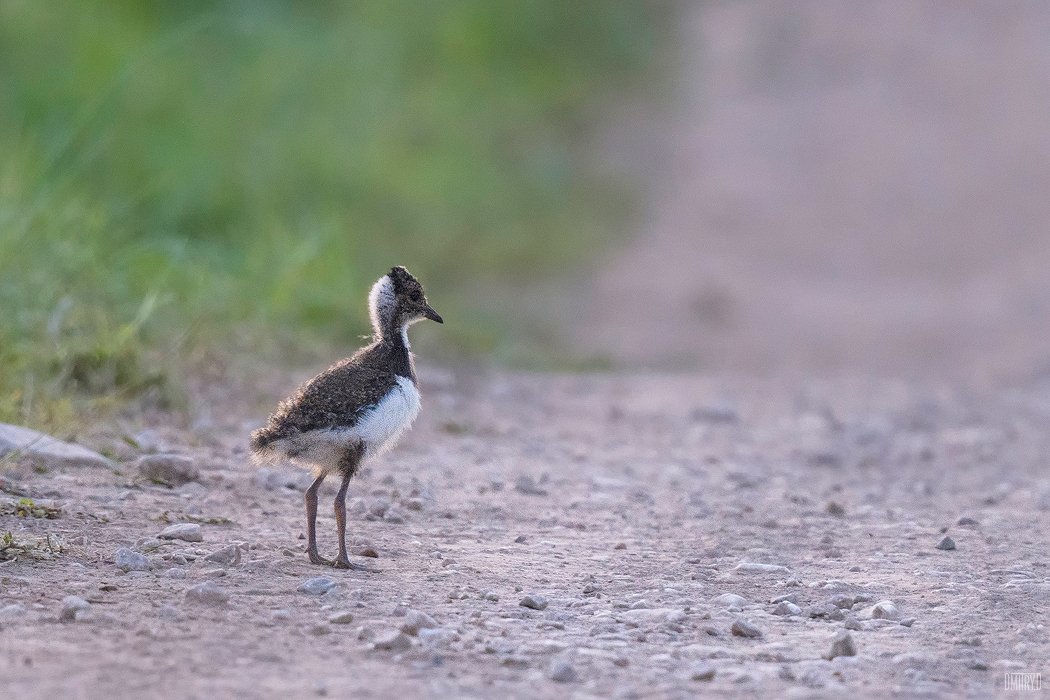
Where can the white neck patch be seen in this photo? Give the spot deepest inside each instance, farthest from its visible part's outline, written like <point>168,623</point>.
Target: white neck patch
<point>381,302</point>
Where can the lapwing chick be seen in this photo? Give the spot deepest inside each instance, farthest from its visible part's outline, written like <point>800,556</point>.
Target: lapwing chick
<point>356,409</point>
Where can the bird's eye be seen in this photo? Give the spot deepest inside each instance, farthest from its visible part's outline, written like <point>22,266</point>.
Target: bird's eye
<point>415,295</point>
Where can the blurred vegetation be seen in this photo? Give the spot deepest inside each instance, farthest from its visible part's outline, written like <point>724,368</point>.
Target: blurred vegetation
<point>179,176</point>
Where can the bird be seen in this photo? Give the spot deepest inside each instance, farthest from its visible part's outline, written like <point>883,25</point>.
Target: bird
<point>355,410</point>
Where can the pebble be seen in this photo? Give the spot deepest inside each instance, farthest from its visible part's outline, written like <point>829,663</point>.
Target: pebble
<point>394,515</point>
<point>730,601</point>
<point>967,522</point>
<point>436,637</point>
<point>393,641</point>
<point>491,595</point>
<point>835,508</point>
<point>43,449</point>
<point>130,560</point>
<point>341,618</point>
<point>749,567</point>
<point>319,585</point>
<point>842,600</point>
<point>416,620</point>
<point>170,612</point>
<point>527,485</point>
<point>207,593</point>
<point>786,607</point>
<point>562,671</point>
<point>742,627</point>
<point>74,608</point>
<point>227,556</point>
<point>187,532</point>
<point>825,610</point>
<point>175,572</point>
<point>703,672</point>
<point>947,544</point>
<point>534,601</point>
<point>171,469</point>
<point>885,610</point>
<point>842,645</point>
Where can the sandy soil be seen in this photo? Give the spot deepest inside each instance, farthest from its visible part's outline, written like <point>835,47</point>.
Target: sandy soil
<point>631,504</point>
<point>845,249</point>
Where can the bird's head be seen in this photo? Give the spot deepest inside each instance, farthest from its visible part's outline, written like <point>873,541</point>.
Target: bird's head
<point>397,300</point>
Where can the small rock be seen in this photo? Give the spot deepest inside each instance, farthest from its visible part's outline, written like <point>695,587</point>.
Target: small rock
<point>366,551</point>
<point>703,672</point>
<point>620,545</point>
<point>130,560</point>
<point>730,601</point>
<point>227,556</point>
<point>44,450</point>
<point>835,508</point>
<point>748,567</point>
<point>520,539</point>
<point>714,413</point>
<point>170,612</point>
<point>73,607</point>
<point>491,595</point>
<point>319,585</point>
<point>394,515</point>
<point>393,641</point>
<point>742,627</point>
<point>281,615</point>
<point>341,618</point>
<point>852,623</point>
<point>187,532</point>
<point>786,607</point>
<point>885,610</point>
<point>207,593</point>
<point>825,611</point>
<point>967,522</point>
<point>842,600</point>
<point>947,544</point>
<point>534,601</point>
<point>12,611</point>
<point>170,469</point>
<point>562,671</point>
<point>527,485</point>
<point>416,620</point>
<point>842,645</point>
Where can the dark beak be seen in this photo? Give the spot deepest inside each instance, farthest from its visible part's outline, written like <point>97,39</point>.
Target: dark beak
<point>429,312</point>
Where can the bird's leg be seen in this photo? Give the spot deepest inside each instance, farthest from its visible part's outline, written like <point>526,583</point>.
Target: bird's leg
<point>348,467</point>
<point>311,522</point>
<point>342,561</point>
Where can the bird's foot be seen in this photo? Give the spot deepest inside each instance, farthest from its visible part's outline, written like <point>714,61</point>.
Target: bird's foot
<point>343,562</point>
<point>315,558</point>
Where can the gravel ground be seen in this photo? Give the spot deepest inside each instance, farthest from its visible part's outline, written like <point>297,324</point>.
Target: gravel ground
<point>551,536</point>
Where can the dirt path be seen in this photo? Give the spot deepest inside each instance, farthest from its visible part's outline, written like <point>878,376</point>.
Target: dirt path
<point>848,187</point>
<point>630,504</point>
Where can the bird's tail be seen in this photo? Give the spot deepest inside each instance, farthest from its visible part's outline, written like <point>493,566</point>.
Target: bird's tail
<point>262,447</point>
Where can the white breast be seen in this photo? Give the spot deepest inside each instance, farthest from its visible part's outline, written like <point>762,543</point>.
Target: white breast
<point>381,426</point>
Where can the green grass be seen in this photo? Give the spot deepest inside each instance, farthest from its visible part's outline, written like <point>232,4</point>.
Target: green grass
<point>180,178</point>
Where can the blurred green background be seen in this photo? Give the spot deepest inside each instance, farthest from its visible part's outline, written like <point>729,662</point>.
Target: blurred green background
<point>184,181</point>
